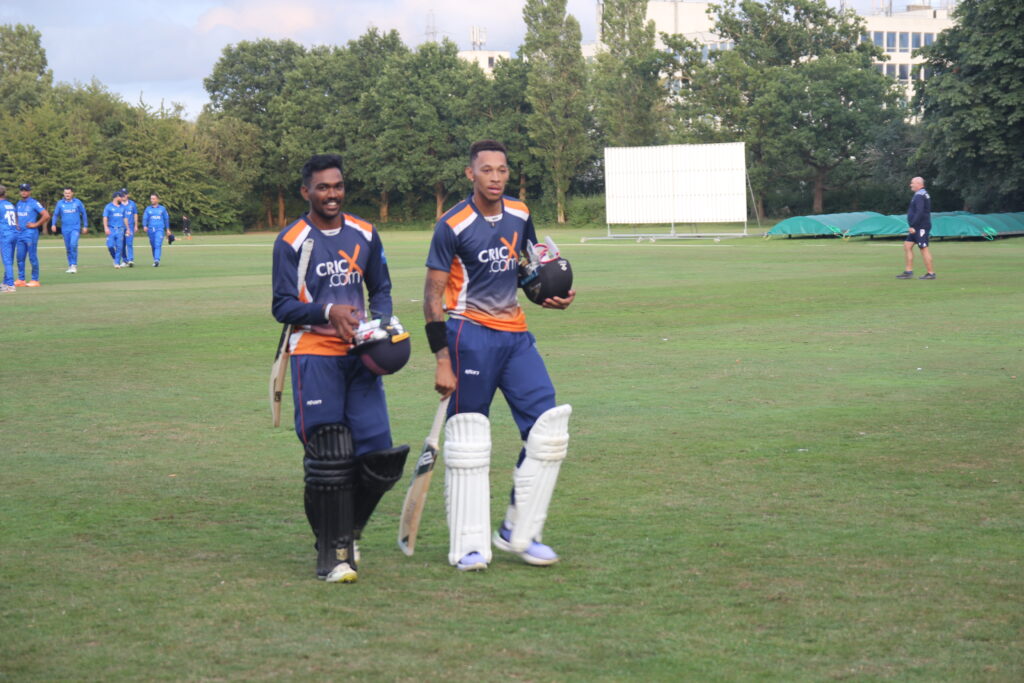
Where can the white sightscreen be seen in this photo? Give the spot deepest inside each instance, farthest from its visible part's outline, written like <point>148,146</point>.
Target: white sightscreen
<point>676,184</point>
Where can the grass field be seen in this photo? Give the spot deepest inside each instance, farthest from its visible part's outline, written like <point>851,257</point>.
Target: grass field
<point>785,465</point>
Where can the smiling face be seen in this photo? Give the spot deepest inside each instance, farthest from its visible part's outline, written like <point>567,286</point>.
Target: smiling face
<point>325,194</point>
<point>489,175</point>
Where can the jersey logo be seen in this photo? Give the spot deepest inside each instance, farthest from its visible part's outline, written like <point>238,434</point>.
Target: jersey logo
<point>512,246</point>
<point>501,259</point>
<point>345,271</point>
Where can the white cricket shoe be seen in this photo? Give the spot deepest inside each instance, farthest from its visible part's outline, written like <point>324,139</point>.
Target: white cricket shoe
<point>536,554</point>
<point>72,270</point>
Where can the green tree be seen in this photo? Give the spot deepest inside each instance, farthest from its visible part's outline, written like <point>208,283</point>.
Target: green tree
<point>159,154</point>
<point>629,94</point>
<point>825,112</point>
<point>415,123</point>
<point>502,113</point>
<point>758,91</point>
<point>25,80</point>
<point>232,147</point>
<point>973,105</point>
<point>244,84</point>
<point>365,61</point>
<point>787,32</point>
<point>556,90</point>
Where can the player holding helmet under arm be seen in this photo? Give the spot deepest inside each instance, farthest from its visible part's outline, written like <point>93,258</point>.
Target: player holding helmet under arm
<point>341,415</point>
<point>472,275</point>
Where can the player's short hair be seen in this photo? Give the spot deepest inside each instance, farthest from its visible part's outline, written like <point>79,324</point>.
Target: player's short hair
<point>69,188</point>
<point>486,146</point>
<point>320,162</point>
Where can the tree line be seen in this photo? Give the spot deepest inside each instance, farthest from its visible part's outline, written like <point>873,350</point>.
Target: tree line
<point>824,130</point>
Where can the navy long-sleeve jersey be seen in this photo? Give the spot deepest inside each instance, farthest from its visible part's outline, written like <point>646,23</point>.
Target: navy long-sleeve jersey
<point>341,263</point>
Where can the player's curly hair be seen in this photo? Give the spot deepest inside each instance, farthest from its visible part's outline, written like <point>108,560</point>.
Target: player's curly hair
<point>320,162</point>
<point>486,146</point>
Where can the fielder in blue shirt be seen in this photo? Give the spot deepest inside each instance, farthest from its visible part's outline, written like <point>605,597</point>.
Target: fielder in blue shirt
<point>131,215</point>
<point>70,213</point>
<point>8,238</point>
<point>155,221</point>
<point>32,216</point>
<point>115,225</point>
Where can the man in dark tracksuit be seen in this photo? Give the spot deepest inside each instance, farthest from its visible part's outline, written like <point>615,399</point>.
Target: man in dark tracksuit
<point>919,222</point>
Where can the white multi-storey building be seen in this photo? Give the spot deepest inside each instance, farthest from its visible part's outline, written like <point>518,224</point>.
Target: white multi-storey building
<point>901,33</point>
<point>899,30</point>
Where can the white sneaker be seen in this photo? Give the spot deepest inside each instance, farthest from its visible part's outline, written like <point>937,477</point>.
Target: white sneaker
<point>472,562</point>
<point>7,289</point>
<point>71,269</point>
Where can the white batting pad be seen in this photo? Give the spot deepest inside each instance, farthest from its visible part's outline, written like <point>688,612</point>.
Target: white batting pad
<point>467,458</point>
<point>536,477</point>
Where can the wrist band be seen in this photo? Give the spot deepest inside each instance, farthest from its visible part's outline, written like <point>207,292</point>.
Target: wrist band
<point>437,336</point>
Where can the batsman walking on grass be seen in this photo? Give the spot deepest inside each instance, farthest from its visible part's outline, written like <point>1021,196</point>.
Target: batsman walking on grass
<point>473,276</point>
<point>339,347</point>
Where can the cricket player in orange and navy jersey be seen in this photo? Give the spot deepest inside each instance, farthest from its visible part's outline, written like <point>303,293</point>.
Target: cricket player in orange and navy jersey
<point>472,277</point>
<point>341,415</point>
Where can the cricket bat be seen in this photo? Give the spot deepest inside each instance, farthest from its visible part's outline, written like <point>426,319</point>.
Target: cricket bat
<point>279,368</point>
<point>278,371</point>
<point>416,496</point>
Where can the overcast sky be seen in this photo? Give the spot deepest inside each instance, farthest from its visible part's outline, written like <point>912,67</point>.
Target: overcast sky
<point>161,50</point>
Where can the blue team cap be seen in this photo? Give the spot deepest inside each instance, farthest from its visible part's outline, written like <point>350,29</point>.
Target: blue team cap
<point>124,191</point>
<point>24,186</point>
<point>115,195</point>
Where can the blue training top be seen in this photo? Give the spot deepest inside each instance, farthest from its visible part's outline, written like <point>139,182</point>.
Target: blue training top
<point>156,217</point>
<point>8,214</point>
<point>919,215</point>
<point>71,214</point>
<point>117,217</point>
<point>29,211</point>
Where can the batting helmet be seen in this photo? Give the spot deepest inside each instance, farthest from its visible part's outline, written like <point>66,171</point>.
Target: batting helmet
<point>385,356</point>
<point>553,278</point>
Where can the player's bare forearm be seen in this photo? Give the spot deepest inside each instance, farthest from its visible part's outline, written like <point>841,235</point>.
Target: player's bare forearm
<point>433,312</point>
<point>433,295</point>
<point>444,377</point>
